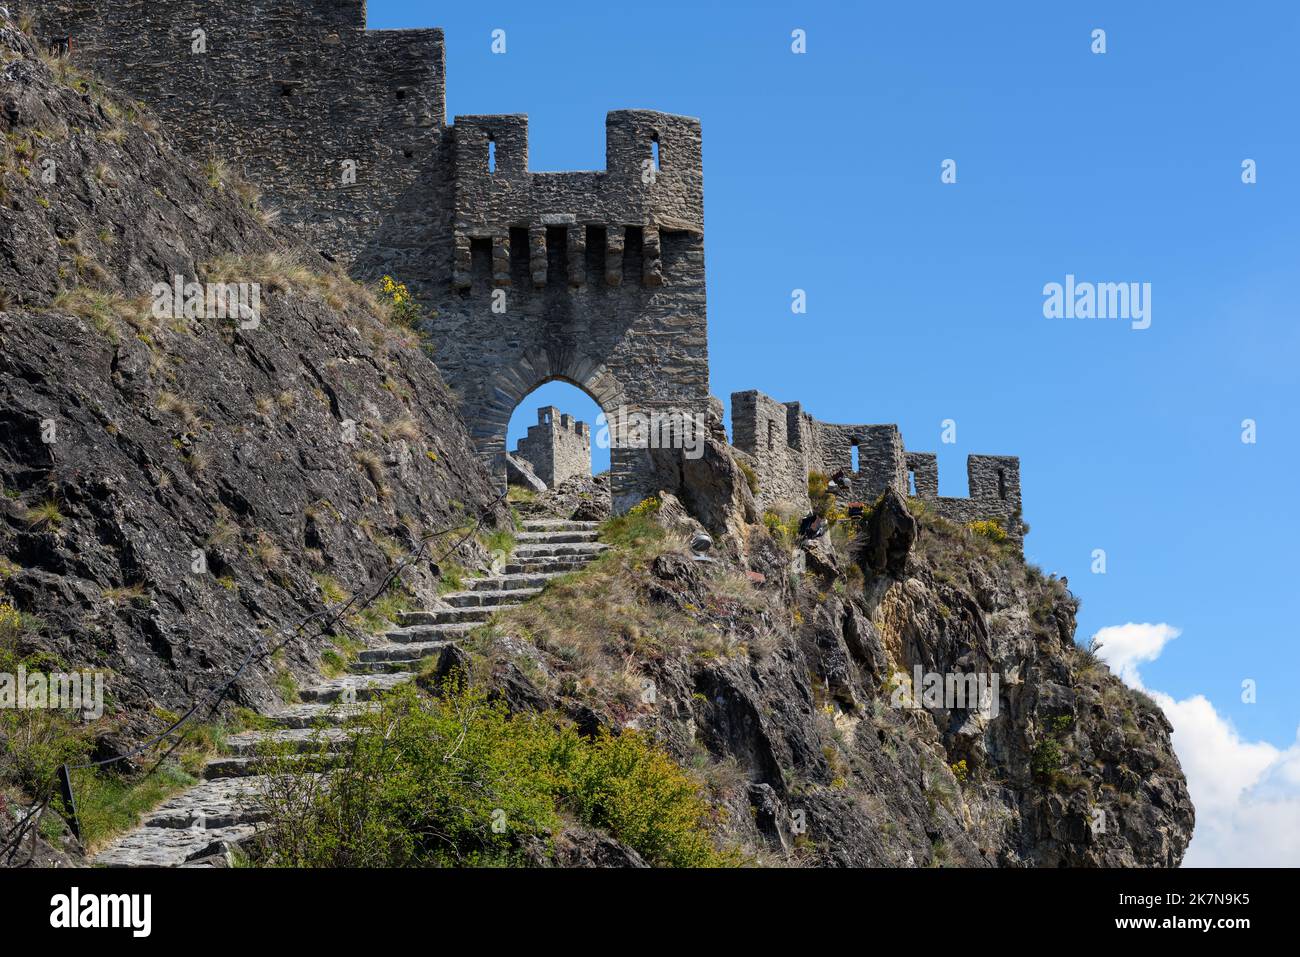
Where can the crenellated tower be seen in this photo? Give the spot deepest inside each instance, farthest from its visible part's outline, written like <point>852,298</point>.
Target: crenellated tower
<point>594,278</point>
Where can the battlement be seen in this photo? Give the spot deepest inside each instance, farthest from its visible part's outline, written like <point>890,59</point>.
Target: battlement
<point>785,444</point>
<point>652,184</point>
<point>344,130</point>
<point>556,447</point>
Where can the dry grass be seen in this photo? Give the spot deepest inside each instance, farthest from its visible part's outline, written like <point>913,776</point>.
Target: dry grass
<point>404,428</point>
<point>599,624</point>
<point>274,271</point>
<point>106,311</point>
<point>173,404</point>
<point>374,469</point>
<point>268,552</point>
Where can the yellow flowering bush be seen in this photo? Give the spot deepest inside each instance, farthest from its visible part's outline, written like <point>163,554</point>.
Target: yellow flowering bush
<point>990,529</point>
<point>401,304</point>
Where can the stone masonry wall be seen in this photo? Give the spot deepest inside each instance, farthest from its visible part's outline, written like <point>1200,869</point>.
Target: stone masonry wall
<point>786,444</point>
<point>593,278</point>
<point>285,91</point>
<point>557,447</point>
<point>994,484</point>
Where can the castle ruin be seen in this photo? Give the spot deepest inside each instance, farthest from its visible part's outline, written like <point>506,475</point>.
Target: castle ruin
<point>593,278</point>
<point>556,448</point>
<point>784,445</point>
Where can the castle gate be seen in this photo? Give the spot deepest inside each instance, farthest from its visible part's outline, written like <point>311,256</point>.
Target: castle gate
<point>595,278</point>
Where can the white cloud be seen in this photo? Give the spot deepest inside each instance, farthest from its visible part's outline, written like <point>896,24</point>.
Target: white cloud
<point>1124,647</point>
<point>1246,793</point>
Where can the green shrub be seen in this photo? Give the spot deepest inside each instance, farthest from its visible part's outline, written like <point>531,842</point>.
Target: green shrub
<point>402,307</point>
<point>457,781</point>
<point>751,477</point>
<point>634,529</point>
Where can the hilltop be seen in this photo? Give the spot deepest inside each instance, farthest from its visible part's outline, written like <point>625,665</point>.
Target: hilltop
<point>181,490</point>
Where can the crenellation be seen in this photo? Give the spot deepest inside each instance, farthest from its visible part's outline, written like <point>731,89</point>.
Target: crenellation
<point>785,445</point>
<point>596,278</point>
<point>557,447</point>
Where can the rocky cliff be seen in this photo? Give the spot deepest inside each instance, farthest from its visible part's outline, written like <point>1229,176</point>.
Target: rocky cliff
<point>804,681</point>
<point>179,487</point>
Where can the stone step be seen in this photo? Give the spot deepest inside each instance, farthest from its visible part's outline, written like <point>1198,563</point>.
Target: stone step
<point>171,847</point>
<point>489,599</point>
<point>402,651</point>
<point>526,552</point>
<point>218,803</point>
<point>557,525</point>
<point>387,667</point>
<point>312,715</point>
<point>509,582</point>
<point>554,567</point>
<point>251,743</point>
<point>365,686</point>
<point>259,766</point>
<point>432,631</point>
<point>553,538</point>
<point>460,615</point>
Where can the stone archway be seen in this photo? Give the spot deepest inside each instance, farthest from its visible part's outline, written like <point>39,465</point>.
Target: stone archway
<point>509,388</point>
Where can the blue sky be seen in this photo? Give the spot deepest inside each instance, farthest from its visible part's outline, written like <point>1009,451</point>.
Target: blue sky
<point>822,172</point>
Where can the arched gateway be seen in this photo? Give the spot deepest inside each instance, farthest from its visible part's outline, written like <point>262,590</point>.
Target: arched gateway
<point>596,278</point>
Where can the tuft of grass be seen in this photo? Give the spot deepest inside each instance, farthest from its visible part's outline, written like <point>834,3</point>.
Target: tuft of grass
<point>105,311</point>
<point>273,271</point>
<point>108,804</point>
<point>126,595</point>
<point>173,404</point>
<point>330,589</point>
<point>751,477</point>
<point>404,428</point>
<point>373,466</point>
<point>635,529</point>
<point>44,515</point>
<point>216,172</point>
<point>381,614</point>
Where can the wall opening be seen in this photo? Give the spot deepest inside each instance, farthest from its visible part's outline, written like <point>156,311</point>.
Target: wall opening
<point>480,257</point>
<point>1002,484</point>
<point>552,411</point>
<point>492,155</point>
<point>654,151</point>
<point>557,255</point>
<point>596,238</point>
<point>911,483</point>
<point>771,436</point>
<point>519,267</point>
<point>853,456</point>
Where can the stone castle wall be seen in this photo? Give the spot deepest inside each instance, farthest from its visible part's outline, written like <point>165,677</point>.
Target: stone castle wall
<point>557,447</point>
<point>593,278</point>
<point>785,444</point>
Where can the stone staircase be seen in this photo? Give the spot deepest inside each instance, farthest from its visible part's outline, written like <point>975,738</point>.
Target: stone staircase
<point>198,826</point>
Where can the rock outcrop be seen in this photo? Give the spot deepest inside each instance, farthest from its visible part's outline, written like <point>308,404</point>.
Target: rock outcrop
<point>909,695</point>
